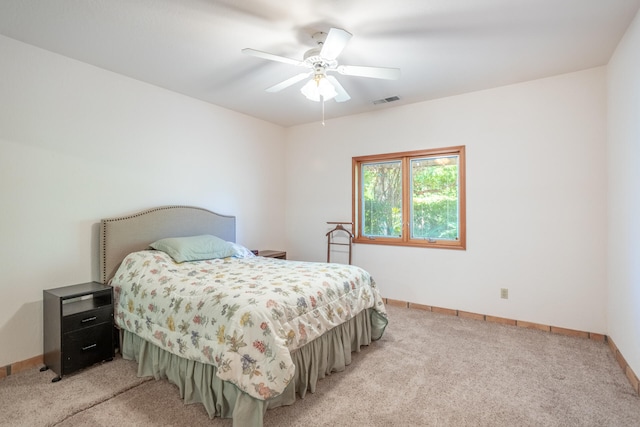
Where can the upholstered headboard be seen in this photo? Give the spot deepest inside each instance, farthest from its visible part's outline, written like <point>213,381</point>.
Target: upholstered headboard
<point>123,235</point>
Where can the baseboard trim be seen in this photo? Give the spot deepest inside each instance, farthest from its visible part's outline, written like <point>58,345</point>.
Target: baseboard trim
<point>23,365</point>
<point>631,376</point>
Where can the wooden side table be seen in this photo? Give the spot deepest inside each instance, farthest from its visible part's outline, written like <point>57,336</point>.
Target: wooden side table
<point>273,254</point>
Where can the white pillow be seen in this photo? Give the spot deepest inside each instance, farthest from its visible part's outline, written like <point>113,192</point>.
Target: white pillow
<point>241,252</point>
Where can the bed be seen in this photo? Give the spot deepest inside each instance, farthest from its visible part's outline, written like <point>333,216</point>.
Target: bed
<point>238,333</point>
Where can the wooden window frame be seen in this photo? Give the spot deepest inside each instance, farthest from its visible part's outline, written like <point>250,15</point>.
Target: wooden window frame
<point>405,240</point>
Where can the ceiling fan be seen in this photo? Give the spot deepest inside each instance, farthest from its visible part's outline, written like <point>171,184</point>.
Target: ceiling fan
<point>320,61</point>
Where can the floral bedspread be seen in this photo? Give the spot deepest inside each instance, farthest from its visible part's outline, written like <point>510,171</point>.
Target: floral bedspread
<point>242,315</point>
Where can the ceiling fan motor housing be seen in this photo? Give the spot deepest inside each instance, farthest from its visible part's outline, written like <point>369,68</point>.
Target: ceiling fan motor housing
<point>320,37</point>
<point>314,60</point>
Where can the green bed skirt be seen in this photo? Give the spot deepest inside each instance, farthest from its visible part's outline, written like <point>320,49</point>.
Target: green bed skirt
<point>198,382</point>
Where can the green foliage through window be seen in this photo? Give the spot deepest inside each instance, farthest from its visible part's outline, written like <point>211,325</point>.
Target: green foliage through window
<point>382,189</point>
<point>434,203</point>
<point>414,198</point>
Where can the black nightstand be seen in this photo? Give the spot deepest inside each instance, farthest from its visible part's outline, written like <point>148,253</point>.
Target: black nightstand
<point>273,254</point>
<point>78,327</point>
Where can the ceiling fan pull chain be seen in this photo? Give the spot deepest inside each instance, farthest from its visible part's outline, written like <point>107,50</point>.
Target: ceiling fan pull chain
<point>322,101</point>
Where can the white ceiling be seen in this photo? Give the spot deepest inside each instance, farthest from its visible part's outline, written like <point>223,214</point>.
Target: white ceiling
<point>443,47</point>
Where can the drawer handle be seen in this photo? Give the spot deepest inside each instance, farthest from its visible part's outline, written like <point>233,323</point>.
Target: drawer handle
<point>89,319</point>
<point>89,347</point>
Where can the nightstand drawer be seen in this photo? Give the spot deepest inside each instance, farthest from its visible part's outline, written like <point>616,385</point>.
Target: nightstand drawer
<point>87,346</point>
<point>87,319</point>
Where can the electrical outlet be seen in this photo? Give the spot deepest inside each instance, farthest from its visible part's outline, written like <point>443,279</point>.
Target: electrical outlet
<point>504,293</point>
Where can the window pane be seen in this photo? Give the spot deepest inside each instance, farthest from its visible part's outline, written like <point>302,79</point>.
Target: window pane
<point>434,198</point>
<point>382,199</point>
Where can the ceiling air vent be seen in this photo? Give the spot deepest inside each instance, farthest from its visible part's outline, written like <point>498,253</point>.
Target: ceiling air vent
<point>386,100</point>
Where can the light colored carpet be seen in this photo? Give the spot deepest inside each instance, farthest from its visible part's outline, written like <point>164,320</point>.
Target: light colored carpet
<point>29,398</point>
<point>428,370</point>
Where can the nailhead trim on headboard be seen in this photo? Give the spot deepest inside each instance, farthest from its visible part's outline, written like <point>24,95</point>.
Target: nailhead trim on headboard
<point>179,219</point>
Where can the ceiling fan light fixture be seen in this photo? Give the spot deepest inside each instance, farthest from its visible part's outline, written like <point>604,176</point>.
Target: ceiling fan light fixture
<point>318,87</point>
<point>320,60</point>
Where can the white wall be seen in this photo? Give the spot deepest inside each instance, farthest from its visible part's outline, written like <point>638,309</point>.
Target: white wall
<point>536,195</point>
<point>78,144</point>
<point>623,81</point>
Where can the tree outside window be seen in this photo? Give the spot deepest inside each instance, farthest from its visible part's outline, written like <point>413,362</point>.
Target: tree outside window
<point>413,198</point>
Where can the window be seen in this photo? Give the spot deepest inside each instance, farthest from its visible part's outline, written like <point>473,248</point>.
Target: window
<point>414,198</point>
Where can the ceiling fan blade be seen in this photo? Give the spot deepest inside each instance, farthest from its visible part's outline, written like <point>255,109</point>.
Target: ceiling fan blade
<point>342,95</point>
<point>271,56</point>
<point>373,72</point>
<point>336,40</point>
<point>290,81</point>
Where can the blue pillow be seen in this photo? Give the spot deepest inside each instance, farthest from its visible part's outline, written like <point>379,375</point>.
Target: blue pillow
<point>194,248</point>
